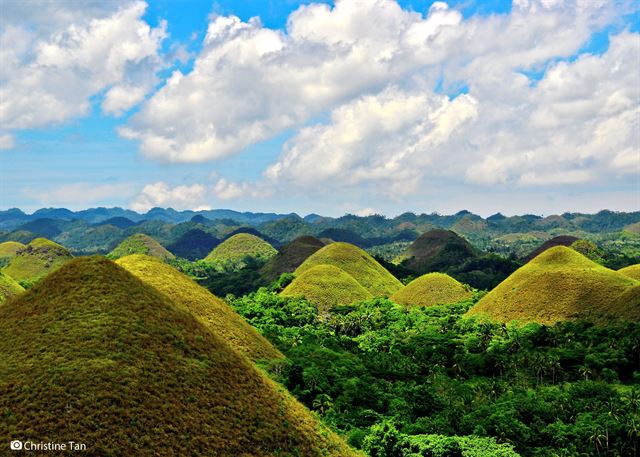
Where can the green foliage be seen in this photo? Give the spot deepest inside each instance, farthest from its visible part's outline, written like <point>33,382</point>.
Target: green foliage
<point>588,249</point>
<point>457,386</point>
<point>358,264</point>
<point>560,284</point>
<point>140,244</point>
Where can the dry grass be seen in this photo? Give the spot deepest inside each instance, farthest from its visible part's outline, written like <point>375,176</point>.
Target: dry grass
<point>357,263</point>
<point>238,247</point>
<point>9,248</point>
<point>93,354</point>
<point>212,312</point>
<point>562,284</point>
<point>8,288</point>
<point>432,289</point>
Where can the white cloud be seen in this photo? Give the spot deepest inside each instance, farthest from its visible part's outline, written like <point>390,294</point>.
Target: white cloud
<point>161,194</point>
<point>49,72</point>
<point>81,194</point>
<point>7,141</point>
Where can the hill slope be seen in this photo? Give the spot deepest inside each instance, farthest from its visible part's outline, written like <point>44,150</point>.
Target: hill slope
<point>326,286</point>
<point>561,284</point>
<point>357,263</point>
<point>36,259</point>
<point>212,312</point>
<point>93,353</point>
<point>435,250</point>
<point>9,248</point>
<point>8,287</point>
<point>290,257</point>
<point>632,271</point>
<point>238,247</point>
<point>562,240</point>
<point>194,244</point>
<point>140,244</point>
<point>432,289</point>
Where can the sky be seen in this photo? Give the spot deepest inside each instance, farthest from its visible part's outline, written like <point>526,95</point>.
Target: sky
<point>352,106</point>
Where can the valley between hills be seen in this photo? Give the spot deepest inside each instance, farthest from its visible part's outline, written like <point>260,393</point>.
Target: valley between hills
<point>260,334</point>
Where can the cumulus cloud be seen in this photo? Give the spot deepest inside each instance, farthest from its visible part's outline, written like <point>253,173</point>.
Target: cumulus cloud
<point>51,70</point>
<point>160,194</point>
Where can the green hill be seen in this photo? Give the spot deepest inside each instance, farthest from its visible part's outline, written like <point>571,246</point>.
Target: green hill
<point>93,354</point>
<point>436,250</point>
<point>140,244</point>
<point>290,257</point>
<point>357,263</point>
<point>240,246</point>
<point>9,248</point>
<point>212,312</point>
<point>8,287</point>
<point>326,286</point>
<point>36,259</point>
<point>432,289</point>
<point>561,284</point>
<point>562,240</point>
<point>194,244</point>
<point>632,271</point>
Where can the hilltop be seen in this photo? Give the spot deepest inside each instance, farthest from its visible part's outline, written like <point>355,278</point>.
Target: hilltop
<point>36,259</point>
<point>236,249</point>
<point>326,286</point>
<point>562,240</point>
<point>357,263</point>
<point>140,244</point>
<point>435,250</point>
<point>8,287</point>
<point>632,271</point>
<point>91,352</point>
<point>561,284</point>
<point>290,257</point>
<point>212,312</point>
<point>10,248</point>
<point>194,244</point>
<point>432,289</point>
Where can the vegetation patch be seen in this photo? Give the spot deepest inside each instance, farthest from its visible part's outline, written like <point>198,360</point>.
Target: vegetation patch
<point>234,250</point>
<point>8,287</point>
<point>140,244</point>
<point>36,259</point>
<point>212,312</point>
<point>290,257</point>
<point>92,353</point>
<point>357,263</point>
<point>9,248</point>
<point>561,284</point>
<point>326,286</point>
<point>194,244</point>
<point>432,289</point>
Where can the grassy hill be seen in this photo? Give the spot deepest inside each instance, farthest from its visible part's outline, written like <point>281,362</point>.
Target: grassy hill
<point>432,289</point>
<point>435,250</point>
<point>562,284</point>
<point>212,312</point>
<point>326,286</point>
<point>562,240</point>
<point>240,246</point>
<point>9,248</point>
<point>290,257</point>
<point>632,271</point>
<point>93,354</point>
<point>194,244</point>
<point>357,263</point>
<point>8,287</point>
<point>36,259</point>
<point>140,244</point>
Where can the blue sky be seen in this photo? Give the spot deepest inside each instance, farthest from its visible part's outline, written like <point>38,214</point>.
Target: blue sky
<point>466,105</point>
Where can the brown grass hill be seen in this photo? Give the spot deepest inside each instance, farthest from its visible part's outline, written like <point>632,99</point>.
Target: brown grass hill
<point>436,250</point>
<point>38,258</point>
<point>290,257</point>
<point>93,354</point>
<point>10,248</point>
<point>140,244</point>
<point>562,240</point>
<point>212,312</point>
<point>326,286</point>
<point>8,288</point>
<point>562,284</point>
<point>358,264</point>
<point>194,244</point>
<point>432,289</point>
<point>632,271</point>
<point>236,249</point>
<point>633,228</point>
